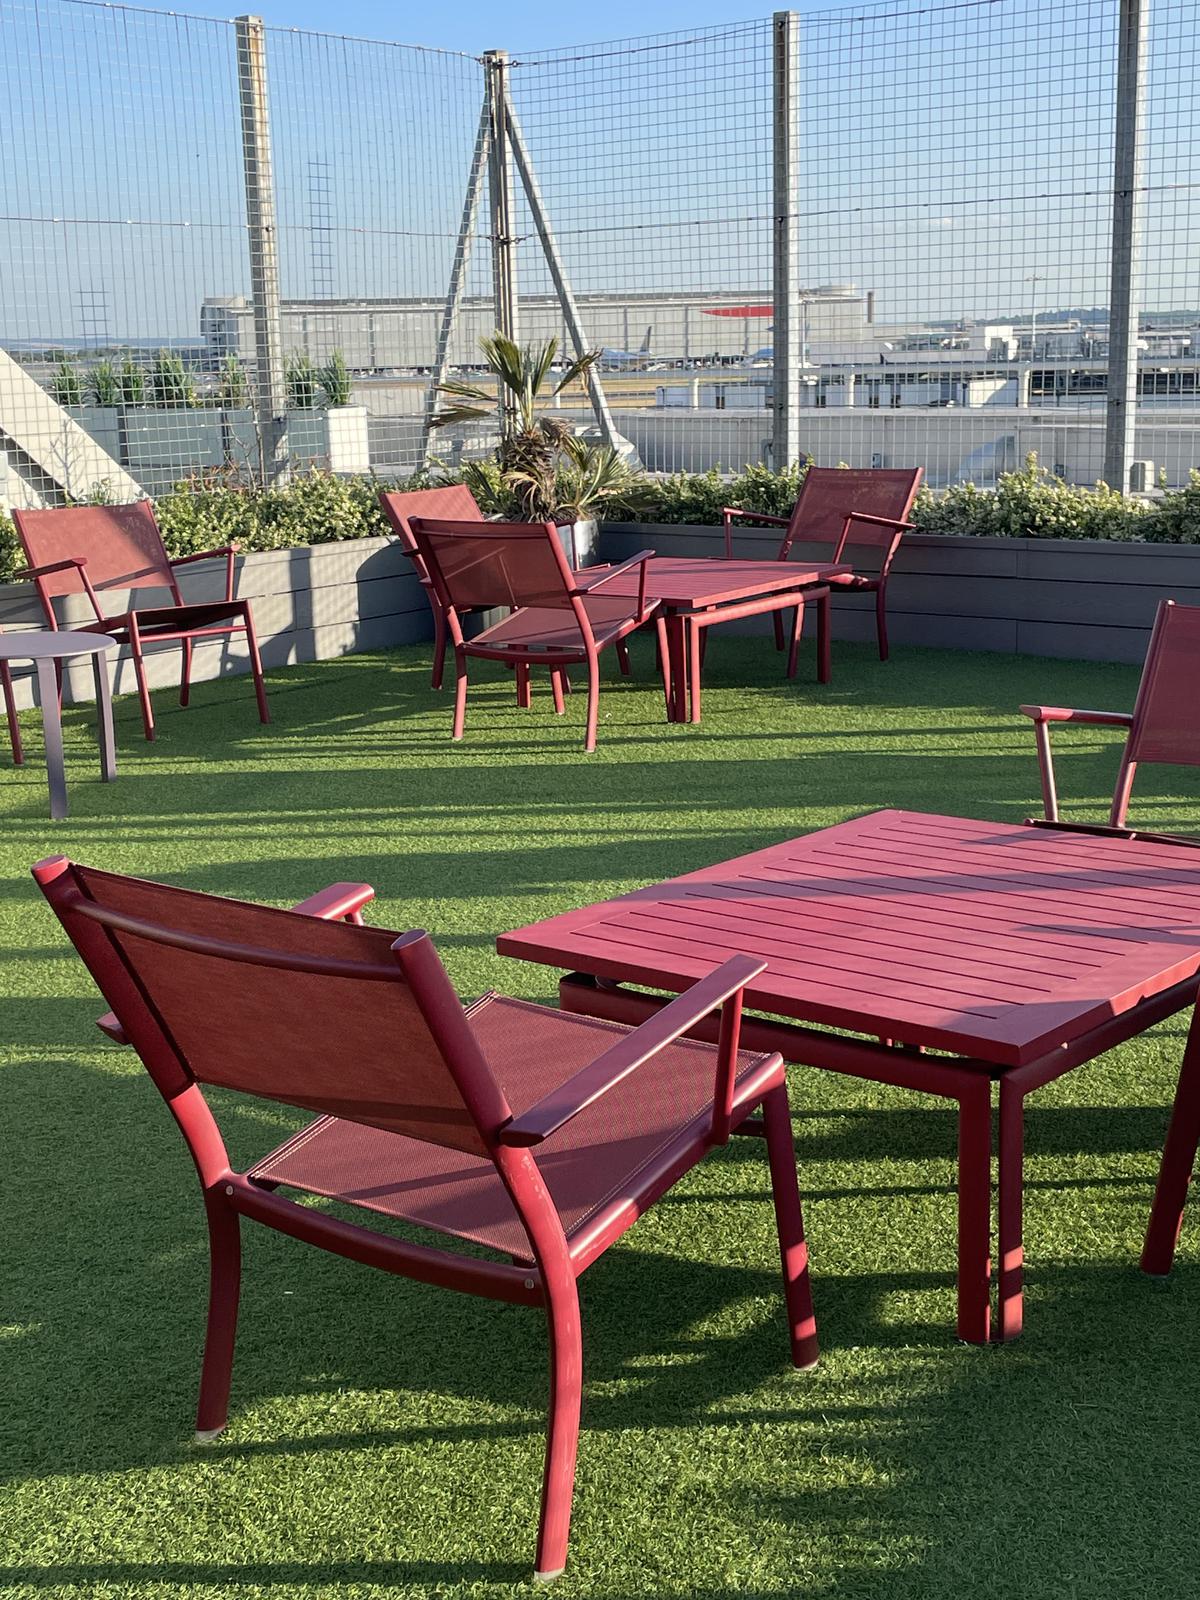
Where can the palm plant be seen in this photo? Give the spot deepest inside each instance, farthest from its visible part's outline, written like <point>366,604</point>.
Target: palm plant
<point>170,384</point>
<point>66,384</point>
<point>233,389</point>
<point>131,383</point>
<point>302,382</point>
<point>594,477</point>
<point>530,451</point>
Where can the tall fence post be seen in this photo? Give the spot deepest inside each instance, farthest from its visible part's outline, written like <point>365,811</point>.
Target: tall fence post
<point>787,338</point>
<point>1128,206</point>
<point>500,185</point>
<point>269,390</point>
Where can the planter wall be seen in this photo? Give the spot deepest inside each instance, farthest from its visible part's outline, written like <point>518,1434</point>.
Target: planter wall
<point>1093,600</point>
<point>310,604</point>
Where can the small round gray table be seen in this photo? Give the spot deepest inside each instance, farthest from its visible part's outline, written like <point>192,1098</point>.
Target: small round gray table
<point>46,650</point>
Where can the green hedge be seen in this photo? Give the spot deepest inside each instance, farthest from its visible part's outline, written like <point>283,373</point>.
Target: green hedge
<point>317,508</point>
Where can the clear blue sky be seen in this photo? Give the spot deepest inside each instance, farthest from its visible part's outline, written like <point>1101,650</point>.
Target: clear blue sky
<point>478,25</point>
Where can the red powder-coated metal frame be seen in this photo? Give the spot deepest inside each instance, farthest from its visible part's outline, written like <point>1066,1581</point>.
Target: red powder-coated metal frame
<point>456,503</point>
<point>752,1091</point>
<point>522,566</point>
<point>1024,951</point>
<point>88,549</point>
<point>697,593</point>
<point>1163,726</point>
<point>860,507</point>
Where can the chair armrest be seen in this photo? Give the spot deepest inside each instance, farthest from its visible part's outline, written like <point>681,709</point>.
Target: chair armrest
<point>1103,719</point>
<point>229,551</point>
<point>615,1064</point>
<point>609,573</point>
<point>880,522</point>
<point>729,512</point>
<point>341,901</point>
<point>54,566</point>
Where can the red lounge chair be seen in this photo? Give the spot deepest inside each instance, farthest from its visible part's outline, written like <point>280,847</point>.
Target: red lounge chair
<point>88,549</point>
<point>559,618</point>
<point>536,1134</point>
<point>456,503</point>
<point>1164,724</point>
<point>844,510</point>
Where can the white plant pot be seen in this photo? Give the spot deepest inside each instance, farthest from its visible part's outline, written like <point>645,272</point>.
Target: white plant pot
<point>349,440</point>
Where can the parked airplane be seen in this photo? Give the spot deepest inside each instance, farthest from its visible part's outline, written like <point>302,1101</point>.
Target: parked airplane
<point>639,360</point>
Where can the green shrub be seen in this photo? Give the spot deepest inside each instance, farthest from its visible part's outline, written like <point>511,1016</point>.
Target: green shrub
<point>1176,518</point>
<point>104,384</point>
<point>131,383</point>
<point>233,390</point>
<point>170,384</point>
<point>697,498</point>
<point>1031,504</point>
<point>302,382</point>
<point>66,384</point>
<point>335,380</point>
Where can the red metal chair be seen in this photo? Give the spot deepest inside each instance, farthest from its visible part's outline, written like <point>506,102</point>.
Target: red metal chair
<point>844,509</point>
<point>10,713</point>
<point>1164,724</point>
<point>558,619</point>
<point>88,549</point>
<point>457,504</point>
<point>539,1135</point>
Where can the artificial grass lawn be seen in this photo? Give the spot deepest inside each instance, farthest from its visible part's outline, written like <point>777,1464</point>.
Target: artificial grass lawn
<point>386,1438</point>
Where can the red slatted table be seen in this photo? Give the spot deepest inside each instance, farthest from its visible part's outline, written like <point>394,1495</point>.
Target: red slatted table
<point>696,592</point>
<point>1023,950</point>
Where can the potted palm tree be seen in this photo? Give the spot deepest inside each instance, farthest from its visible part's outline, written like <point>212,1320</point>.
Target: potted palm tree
<point>541,471</point>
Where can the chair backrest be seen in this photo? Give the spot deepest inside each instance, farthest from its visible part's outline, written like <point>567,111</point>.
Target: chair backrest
<point>477,565</point>
<point>1166,714</point>
<point>351,1021</point>
<point>455,503</point>
<point>121,544</point>
<point>829,495</point>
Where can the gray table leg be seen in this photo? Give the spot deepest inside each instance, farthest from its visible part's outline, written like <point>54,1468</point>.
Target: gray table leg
<point>52,728</point>
<point>108,746</point>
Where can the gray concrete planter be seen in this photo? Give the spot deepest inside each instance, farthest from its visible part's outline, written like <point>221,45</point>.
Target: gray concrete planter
<point>1088,599</point>
<point>310,604</point>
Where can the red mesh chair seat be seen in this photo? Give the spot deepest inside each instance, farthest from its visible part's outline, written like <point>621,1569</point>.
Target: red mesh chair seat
<point>608,1152</point>
<point>551,628</point>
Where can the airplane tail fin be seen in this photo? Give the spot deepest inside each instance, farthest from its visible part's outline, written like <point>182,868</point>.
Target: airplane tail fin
<point>644,349</point>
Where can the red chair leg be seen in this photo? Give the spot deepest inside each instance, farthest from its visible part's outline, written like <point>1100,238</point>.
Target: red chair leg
<point>10,712</point>
<point>260,688</point>
<point>881,621</point>
<point>139,672</point>
<point>789,1219</point>
<point>1178,1161</point>
<point>460,694</point>
<point>623,658</point>
<point>797,631</point>
<point>556,688</point>
<point>1121,793</point>
<point>566,1387</point>
<point>185,673</point>
<point>225,1276</point>
<point>593,705</point>
<point>440,636</point>
<point>524,688</point>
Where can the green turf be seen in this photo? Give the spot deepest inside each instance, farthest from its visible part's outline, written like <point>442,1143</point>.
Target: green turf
<point>385,1438</point>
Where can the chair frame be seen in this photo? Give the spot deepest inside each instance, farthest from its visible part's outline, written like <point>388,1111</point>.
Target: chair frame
<point>576,588</point>
<point>874,583</point>
<point>10,714</point>
<point>758,1105</point>
<point>150,624</point>
<point>399,520</point>
<point>1134,721</point>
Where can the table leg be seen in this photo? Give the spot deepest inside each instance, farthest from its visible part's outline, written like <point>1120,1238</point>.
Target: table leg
<point>975,1213</point>
<point>52,728</point>
<point>104,718</point>
<point>694,635</point>
<point>677,652</point>
<point>1178,1159</point>
<point>824,638</point>
<point>1010,1245</point>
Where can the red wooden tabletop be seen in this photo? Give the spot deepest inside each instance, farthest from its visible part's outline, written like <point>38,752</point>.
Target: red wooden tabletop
<point>982,938</point>
<point>680,581</point>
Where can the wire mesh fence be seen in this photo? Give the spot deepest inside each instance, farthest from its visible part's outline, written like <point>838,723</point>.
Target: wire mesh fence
<point>228,251</point>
